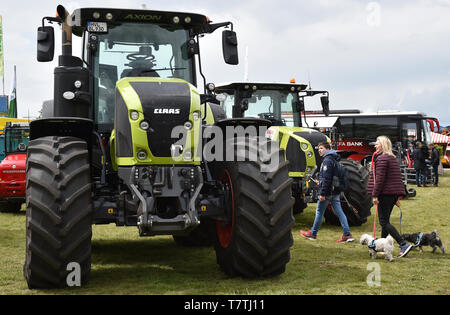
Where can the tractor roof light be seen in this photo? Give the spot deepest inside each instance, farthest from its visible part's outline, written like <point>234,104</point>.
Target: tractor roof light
<point>96,15</point>
<point>187,19</point>
<point>109,16</point>
<point>176,19</point>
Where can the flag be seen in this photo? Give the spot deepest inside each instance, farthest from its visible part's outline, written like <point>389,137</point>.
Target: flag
<point>12,112</point>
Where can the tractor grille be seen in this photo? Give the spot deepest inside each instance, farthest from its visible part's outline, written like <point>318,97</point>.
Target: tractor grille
<point>314,139</point>
<point>166,105</point>
<point>295,156</point>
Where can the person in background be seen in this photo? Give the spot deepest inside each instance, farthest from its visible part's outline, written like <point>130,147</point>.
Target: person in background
<point>420,165</point>
<point>385,185</point>
<point>327,195</point>
<point>435,159</point>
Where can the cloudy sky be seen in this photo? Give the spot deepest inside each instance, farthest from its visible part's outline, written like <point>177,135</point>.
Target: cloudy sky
<point>370,55</point>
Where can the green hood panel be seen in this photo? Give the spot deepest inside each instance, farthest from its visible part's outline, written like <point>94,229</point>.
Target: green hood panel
<point>167,105</point>
<point>300,147</point>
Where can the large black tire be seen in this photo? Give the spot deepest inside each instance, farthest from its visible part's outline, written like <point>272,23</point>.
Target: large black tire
<point>59,211</point>
<point>257,242</point>
<point>357,203</point>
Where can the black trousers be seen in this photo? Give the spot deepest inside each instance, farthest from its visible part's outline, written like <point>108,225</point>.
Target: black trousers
<point>436,174</point>
<point>387,203</point>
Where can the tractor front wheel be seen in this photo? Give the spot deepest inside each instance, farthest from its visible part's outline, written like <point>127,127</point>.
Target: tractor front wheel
<point>256,240</point>
<point>59,213</point>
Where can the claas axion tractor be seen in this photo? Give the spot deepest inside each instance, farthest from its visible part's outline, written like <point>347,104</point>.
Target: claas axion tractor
<point>104,152</point>
<point>284,105</point>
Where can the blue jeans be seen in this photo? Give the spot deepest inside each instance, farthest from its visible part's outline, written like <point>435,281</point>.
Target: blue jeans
<point>337,209</point>
<point>421,177</point>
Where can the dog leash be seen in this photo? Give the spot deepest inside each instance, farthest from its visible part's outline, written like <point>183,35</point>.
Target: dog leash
<point>376,206</point>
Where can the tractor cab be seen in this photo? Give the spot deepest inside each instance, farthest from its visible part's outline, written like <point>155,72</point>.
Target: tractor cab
<point>120,44</point>
<point>282,104</point>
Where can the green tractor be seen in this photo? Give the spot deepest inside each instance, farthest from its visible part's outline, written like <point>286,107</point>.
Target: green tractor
<point>283,104</point>
<point>123,142</point>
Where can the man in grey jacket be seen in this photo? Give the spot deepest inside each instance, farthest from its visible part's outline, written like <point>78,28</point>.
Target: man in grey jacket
<point>328,194</point>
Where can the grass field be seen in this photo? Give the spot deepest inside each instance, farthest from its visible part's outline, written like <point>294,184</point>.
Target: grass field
<point>123,263</point>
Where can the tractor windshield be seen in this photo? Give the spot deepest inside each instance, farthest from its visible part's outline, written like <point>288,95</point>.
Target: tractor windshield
<point>16,140</point>
<point>277,106</point>
<point>137,50</point>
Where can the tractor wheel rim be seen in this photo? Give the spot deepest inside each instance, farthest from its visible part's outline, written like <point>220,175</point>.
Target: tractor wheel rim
<point>225,233</point>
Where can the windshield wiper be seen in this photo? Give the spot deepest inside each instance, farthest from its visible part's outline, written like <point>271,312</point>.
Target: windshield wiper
<point>163,69</point>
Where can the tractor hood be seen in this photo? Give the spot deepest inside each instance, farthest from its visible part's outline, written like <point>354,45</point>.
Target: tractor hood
<point>150,114</point>
<point>300,146</point>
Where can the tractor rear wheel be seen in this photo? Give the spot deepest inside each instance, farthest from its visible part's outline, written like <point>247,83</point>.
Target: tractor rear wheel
<point>357,203</point>
<point>257,239</point>
<point>59,212</point>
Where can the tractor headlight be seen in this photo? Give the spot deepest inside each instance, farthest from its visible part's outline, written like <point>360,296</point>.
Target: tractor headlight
<point>309,154</point>
<point>144,125</point>
<point>134,115</point>
<point>187,155</point>
<point>142,155</point>
<point>304,146</point>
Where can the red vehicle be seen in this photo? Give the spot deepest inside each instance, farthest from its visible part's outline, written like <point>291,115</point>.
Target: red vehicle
<point>356,132</point>
<point>13,167</point>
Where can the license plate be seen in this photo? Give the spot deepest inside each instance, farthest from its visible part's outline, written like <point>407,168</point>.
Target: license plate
<point>97,27</point>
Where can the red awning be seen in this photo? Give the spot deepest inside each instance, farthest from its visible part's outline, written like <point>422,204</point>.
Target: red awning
<point>438,138</point>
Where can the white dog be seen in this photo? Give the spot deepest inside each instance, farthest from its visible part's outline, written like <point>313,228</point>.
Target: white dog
<point>385,245</point>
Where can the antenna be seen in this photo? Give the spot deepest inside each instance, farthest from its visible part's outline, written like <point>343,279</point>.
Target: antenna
<point>309,80</point>
<point>246,65</point>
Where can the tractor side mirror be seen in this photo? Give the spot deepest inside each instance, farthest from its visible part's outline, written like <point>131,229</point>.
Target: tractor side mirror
<point>299,105</point>
<point>230,47</point>
<point>325,105</point>
<point>45,43</point>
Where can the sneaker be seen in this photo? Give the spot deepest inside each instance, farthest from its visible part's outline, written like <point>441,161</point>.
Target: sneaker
<point>308,235</point>
<point>346,238</point>
<point>404,250</point>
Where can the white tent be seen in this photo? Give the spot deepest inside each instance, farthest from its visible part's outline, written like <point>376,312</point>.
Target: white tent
<point>439,138</point>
